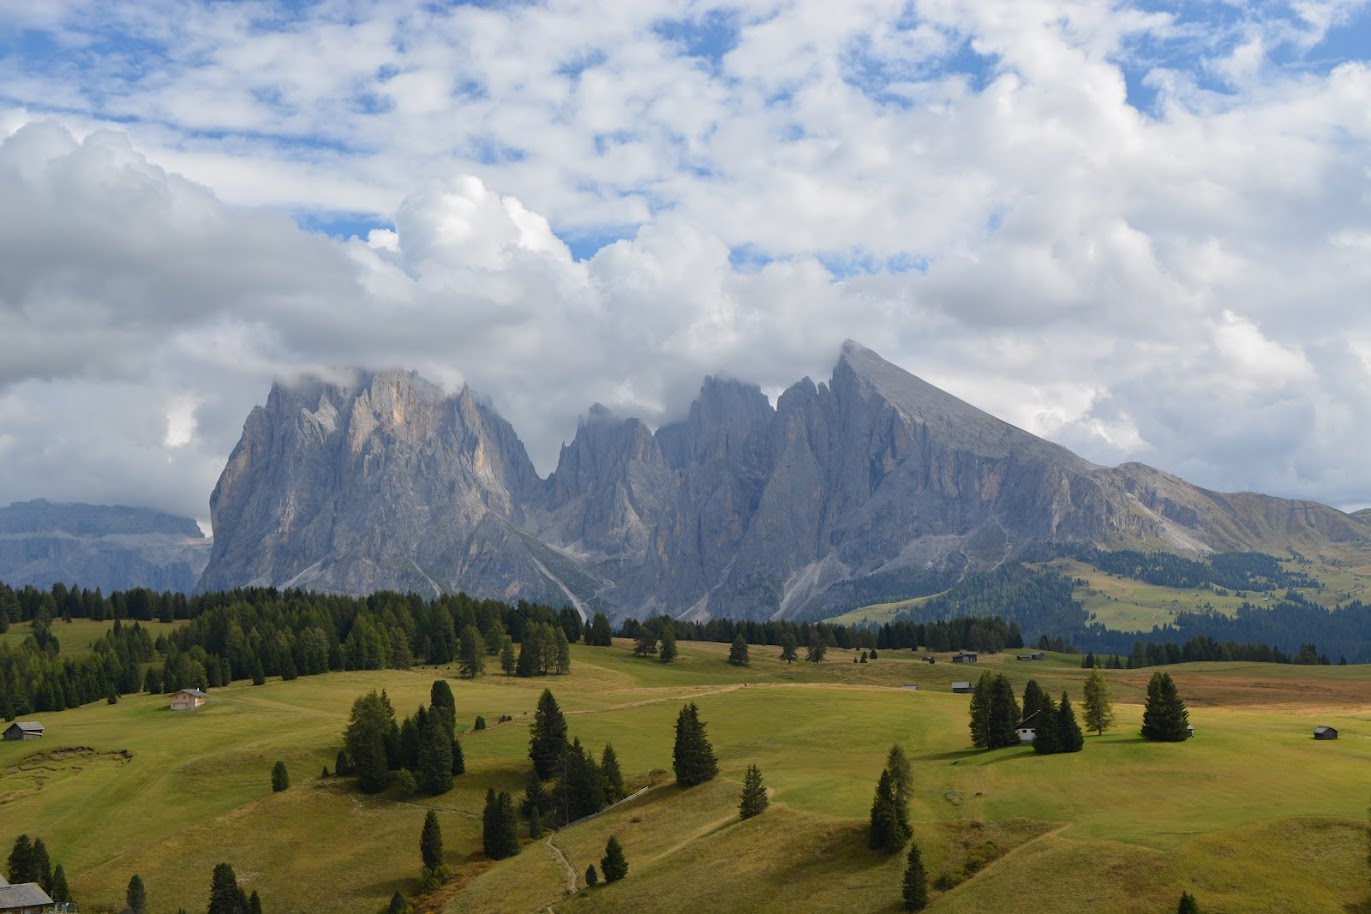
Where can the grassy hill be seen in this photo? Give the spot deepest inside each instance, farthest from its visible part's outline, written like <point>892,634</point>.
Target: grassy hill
<point>1252,815</point>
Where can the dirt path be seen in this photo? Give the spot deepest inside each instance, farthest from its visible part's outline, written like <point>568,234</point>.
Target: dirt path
<point>572,880</point>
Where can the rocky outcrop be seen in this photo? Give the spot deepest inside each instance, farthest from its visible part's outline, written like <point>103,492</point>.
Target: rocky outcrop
<point>109,547</point>
<point>873,484</point>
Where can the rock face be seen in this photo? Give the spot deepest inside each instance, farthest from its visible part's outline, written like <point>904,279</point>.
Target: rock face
<point>110,547</point>
<point>867,487</point>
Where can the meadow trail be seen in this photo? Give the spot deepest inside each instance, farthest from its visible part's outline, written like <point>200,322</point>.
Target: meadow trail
<point>571,877</point>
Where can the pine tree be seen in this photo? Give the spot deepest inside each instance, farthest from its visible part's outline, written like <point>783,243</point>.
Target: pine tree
<point>224,895</point>
<point>1069,736</point>
<point>646,643</point>
<point>693,757</point>
<point>668,650</point>
<point>1098,709</point>
<point>789,648</point>
<point>613,864</point>
<point>592,877</point>
<point>1187,905</point>
<point>614,778</point>
<point>1165,717</point>
<point>136,896</point>
<point>280,778</point>
<point>398,905</point>
<point>754,799</point>
<point>471,653</point>
<point>434,774</point>
<point>817,648</point>
<point>547,737</point>
<point>915,881</point>
<point>889,831</point>
<point>60,891</point>
<point>737,654</point>
<point>431,842</point>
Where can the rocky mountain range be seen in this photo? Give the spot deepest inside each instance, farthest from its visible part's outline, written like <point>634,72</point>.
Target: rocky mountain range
<point>110,547</point>
<point>874,485</point>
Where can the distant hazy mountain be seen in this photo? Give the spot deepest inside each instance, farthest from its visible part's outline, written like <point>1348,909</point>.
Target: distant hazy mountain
<point>875,483</point>
<point>110,547</point>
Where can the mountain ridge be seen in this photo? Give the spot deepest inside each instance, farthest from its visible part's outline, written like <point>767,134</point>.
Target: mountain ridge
<point>870,482</point>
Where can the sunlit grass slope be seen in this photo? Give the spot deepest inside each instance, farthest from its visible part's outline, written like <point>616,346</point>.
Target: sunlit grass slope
<point>1249,812</point>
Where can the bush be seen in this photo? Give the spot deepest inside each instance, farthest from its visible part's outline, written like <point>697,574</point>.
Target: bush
<point>405,783</point>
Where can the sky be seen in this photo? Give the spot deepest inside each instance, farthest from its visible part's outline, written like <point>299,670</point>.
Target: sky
<point>1142,230</point>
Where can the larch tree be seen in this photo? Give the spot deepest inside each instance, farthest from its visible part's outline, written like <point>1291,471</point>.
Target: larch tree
<point>789,648</point>
<point>737,653</point>
<point>1098,708</point>
<point>818,648</point>
<point>471,653</point>
<point>754,799</point>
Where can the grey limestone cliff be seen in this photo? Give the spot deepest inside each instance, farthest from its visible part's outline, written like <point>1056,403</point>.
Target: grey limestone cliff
<point>874,482</point>
<point>110,547</point>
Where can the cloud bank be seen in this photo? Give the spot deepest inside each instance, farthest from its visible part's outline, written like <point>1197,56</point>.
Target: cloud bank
<point>1141,231</point>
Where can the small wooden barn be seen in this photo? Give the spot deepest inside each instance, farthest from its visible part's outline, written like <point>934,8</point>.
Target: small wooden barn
<point>965,657</point>
<point>1325,733</point>
<point>962,688</point>
<point>1035,655</point>
<point>1028,728</point>
<point>24,729</point>
<point>25,898</point>
<point>187,699</point>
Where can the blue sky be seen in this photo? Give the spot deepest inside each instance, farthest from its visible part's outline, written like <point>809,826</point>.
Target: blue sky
<point>1140,229</point>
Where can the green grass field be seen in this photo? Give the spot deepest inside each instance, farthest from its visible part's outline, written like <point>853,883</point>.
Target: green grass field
<point>78,635</point>
<point>1253,815</point>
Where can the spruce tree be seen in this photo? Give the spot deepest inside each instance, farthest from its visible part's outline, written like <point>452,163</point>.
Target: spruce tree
<point>613,864</point>
<point>535,824</point>
<point>580,791</point>
<point>136,895</point>
<point>471,653</point>
<point>459,761</point>
<point>1004,714</point>
<point>499,826</point>
<point>693,757</point>
<point>60,891</point>
<point>434,774</point>
<point>365,741</point>
<point>254,903</point>
<point>280,778</point>
<point>508,660</point>
<point>41,864</point>
<point>789,648</point>
<point>668,651</point>
<point>614,778</point>
<point>889,831</point>
<point>1187,905</point>
<point>737,654</point>
<point>441,703</point>
<point>818,648</point>
<point>547,737</point>
<point>915,880</point>
<point>1069,736</point>
<point>592,877</point>
<point>20,864</point>
<point>902,776</point>
<point>398,905</point>
<point>600,634</point>
<point>1034,698</point>
<point>646,643</point>
<point>224,895</point>
<point>754,799</point>
<point>980,712</point>
<point>1098,709</point>
<point>431,842</point>
<point>1165,717</point>
<point>1045,738</point>
<point>259,677</point>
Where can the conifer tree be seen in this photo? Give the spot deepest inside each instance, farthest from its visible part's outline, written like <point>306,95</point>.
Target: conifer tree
<point>508,661</point>
<point>592,877</point>
<point>1034,698</point>
<point>614,778</point>
<point>20,864</point>
<point>1004,714</point>
<point>1069,736</point>
<point>547,737</point>
<point>499,826</point>
<point>613,864</point>
<point>471,653</point>
<point>398,905</point>
<point>366,739</point>
<point>754,799</point>
<point>1187,905</point>
<point>789,648</point>
<point>980,712</point>
<point>915,880</point>
<point>1045,738</point>
<point>693,757</point>
<point>459,761</point>
<point>224,895</point>
<point>1098,709</point>
<point>889,831</point>
<point>136,895</point>
<point>431,842</point>
<point>280,778</point>
<point>434,774</point>
<point>580,791</point>
<point>41,864</point>
<point>818,648</point>
<point>902,777</point>
<point>259,676</point>
<point>442,703</point>
<point>668,651</point>
<point>737,654</point>
<point>60,891</point>
<point>600,634</point>
<point>536,799</point>
<point>254,903</point>
<point>645,644</point>
<point>535,824</point>
<point>1165,717</point>
<point>341,765</point>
